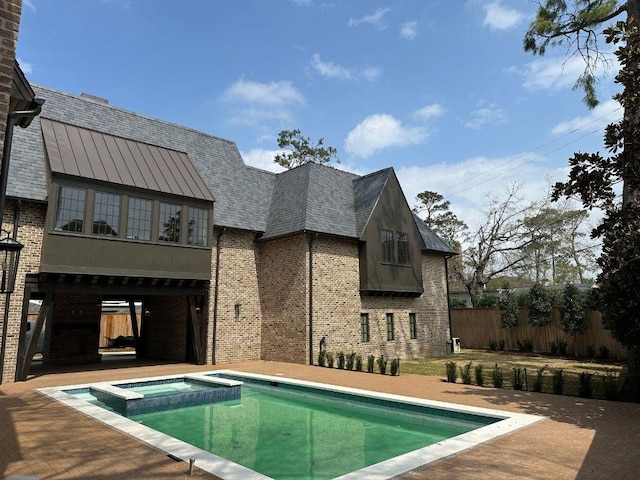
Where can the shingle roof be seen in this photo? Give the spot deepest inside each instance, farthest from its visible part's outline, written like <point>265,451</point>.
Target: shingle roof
<point>312,197</point>
<point>242,194</point>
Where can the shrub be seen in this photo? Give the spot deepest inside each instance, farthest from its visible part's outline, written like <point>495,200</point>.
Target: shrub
<point>359,363</point>
<point>341,358</point>
<point>558,382</point>
<point>604,352</point>
<point>395,367</point>
<point>585,388</point>
<point>501,344</point>
<point>370,363</point>
<point>508,305</point>
<point>540,303</point>
<point>562,347</point>
<point>519,378</point>
<point>610,385</point>
<point>382,364</point>
<point>537,384</point>
<point>329,359</point>
<point>498,377</point>
<point>479,375</point>
<point>487,301</point>
<point>553,348</point>
<point>322,358</point>
<point>572,313</point>
<point>351,360</point>
<point>452,372</point>
<point>465,374</point>
<point>591,351</point>
<point>525,345</point>
<point>493,345</point>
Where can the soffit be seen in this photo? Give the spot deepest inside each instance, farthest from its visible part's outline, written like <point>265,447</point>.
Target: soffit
<point>89,154</point>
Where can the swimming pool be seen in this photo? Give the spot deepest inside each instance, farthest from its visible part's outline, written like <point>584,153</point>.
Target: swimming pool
<point>285,428</point>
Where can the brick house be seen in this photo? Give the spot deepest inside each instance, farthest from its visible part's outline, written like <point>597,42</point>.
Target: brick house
<point>231,263</point>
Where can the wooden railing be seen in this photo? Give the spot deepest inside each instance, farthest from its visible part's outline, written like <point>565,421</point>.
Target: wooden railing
<point>477,327</point>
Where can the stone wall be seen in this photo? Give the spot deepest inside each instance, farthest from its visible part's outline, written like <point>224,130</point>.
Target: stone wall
<point>238,329</point>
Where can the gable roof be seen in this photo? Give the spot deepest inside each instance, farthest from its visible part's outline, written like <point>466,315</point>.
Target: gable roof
<point>367,191</point>
<point>89,154</point>
<point>430,240</point>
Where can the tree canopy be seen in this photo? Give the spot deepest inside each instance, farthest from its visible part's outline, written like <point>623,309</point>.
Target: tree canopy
<point>300,150</point>
<point>439,218</point>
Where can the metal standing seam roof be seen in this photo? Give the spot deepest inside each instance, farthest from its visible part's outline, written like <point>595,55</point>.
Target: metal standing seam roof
<point>77,151</point>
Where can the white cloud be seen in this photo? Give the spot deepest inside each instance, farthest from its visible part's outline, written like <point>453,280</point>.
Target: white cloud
<point>26,67</point>
<point>256,102</point>
<point>605,113</point>
<point>551,73</point>
<point>485,115</point>
<point>380,131</point>
<point>29,4</point>
<point>304,3</point>
<point>262,159</point>
<point>333,70</point>
<point>376,19</point>
<point>409,30</point>
<point>498,17</point>
<point>428,112</point>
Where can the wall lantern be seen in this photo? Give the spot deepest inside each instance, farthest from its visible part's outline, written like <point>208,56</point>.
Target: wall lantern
<point>9,256</point>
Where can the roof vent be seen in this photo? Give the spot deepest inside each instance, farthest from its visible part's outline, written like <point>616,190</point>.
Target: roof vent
<point>94,98</point>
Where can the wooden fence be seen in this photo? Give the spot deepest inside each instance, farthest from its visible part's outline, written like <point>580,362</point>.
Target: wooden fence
<point>476,327</point>
<point>114,325</point>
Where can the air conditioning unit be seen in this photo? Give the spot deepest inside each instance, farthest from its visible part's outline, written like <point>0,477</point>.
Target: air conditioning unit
<point>456,345</point>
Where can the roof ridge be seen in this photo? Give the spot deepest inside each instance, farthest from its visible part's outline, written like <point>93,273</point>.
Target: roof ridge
<point>130,112</point>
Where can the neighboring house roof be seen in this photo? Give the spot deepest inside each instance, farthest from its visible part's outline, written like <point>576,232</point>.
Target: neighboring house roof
<point>311,197</point>
<point>89,154</point>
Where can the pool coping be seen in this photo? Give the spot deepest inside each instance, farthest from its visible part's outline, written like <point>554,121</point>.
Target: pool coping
<point>509,422</point>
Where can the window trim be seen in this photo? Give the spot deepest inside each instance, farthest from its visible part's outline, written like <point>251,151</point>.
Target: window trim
<point>413,326</point>
<point>395,248</point>
<point>365,331</point>
<point>118,218</point>
<point>84,209</point>
<point>391,334</point>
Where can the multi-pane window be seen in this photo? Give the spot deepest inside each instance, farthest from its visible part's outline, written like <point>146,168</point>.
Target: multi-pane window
<point>413,329</point>
<point>106,214</point>
<point>198,223</point>
<point>386,243</point>
<point>70,211</point>
<point>139,219</point>
<point>403,248</point>
<point>170,219</point>
<point>364,327</point>
<point>390,329</point>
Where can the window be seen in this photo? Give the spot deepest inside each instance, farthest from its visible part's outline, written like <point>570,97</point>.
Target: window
<point>413,330</point>
<point>364,327</point>
<point>70,211</point>
<point>139,219</point>
<point>106,214</point>
<point>390,329</point>
<point>386,239</point>
<point>170,220</point>
<point>403,248</point>
<point>198,223</point>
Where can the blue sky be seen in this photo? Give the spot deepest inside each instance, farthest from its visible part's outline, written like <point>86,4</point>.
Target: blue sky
<point>439,89</point>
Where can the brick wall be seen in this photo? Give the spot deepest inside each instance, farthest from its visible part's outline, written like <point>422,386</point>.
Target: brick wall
<point>30,232</point>
<point>73,335</point>
<point>283,279</point>
<point>238,332</point>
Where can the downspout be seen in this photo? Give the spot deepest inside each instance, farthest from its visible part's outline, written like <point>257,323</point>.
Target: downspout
<point>311,239</point>
<point>215,295</point>
<point>12,117</point>
<point>446,276</point>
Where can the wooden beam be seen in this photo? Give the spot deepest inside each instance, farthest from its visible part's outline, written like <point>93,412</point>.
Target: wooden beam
<point>134,326</point>
<point>23,330</point>
<point>195,331</point>
<point>47,303</point>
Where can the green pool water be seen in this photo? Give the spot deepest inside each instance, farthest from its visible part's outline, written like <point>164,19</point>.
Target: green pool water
<point>288,435</point>
<point>159,390</point>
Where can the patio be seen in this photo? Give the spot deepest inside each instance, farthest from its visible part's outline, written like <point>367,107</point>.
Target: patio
<point>581,438</point>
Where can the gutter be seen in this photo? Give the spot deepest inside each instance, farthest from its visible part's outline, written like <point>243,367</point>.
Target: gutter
<point>5,317</point>
<point>215,295</point>
<point>311,239</point>
<point>446,275</point>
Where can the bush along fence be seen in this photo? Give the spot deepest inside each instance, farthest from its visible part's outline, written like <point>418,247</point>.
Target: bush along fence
<point>356,363</point>
<point>481,328</point>
<point>584,385</point>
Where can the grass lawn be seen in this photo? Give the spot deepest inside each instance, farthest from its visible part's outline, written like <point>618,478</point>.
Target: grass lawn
<point>507,361</point>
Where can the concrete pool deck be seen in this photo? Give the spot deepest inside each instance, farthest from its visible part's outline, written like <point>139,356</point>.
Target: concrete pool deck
<point>581,438</point>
